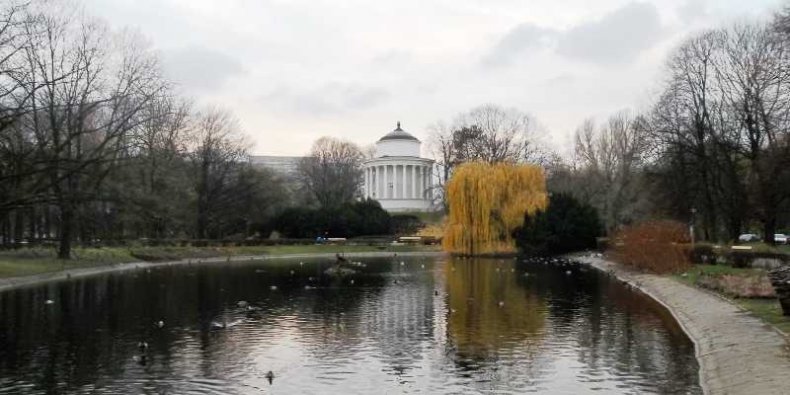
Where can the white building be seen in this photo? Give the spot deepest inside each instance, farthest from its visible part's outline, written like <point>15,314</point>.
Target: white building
<point>397,176</point>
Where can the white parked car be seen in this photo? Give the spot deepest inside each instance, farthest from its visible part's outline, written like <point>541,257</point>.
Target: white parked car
<point>748,237</point>
<point>780,238</point>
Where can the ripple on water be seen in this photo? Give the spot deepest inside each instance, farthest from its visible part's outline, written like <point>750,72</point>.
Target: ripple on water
<point>422,327</point>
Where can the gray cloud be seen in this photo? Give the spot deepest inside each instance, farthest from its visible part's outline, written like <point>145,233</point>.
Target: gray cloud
<point>333,98</point>
<point>564,78</point>
<point>619,36</point>
<point>692,10</point>
<point>200,69</point>
<point>522,38</point>
<point>392,58</point>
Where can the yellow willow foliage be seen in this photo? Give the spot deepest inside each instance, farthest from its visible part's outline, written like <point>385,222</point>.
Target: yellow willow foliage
<point>487,202</point>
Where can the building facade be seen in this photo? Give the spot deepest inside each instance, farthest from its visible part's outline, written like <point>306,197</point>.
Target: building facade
<point>397,176</point>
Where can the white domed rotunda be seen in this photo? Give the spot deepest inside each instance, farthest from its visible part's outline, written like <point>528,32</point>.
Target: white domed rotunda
<point>397,176</point>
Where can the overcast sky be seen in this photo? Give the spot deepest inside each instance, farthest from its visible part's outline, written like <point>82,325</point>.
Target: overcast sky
<point>293,71</point>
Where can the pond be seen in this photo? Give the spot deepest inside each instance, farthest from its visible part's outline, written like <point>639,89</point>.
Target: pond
<point>397,325</point>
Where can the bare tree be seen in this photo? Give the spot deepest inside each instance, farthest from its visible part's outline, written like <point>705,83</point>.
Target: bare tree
<point>332,172</point>
<point>151,186</point>
<point>610,161</point>
<point>487,133</point>
<point>754,85</point>
<point>441,145</point>
<point>687,124</point>
<point>87,87</point>
<point>492,133</point>
<point>14,37</point>
<point>218,147</point>
<point>94,144</point>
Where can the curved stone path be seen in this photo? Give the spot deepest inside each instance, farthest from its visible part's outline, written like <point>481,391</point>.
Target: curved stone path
<point>737,352</point>
<point>36,279</point>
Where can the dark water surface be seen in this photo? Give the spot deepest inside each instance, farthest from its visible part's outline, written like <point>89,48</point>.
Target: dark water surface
<point>418,325</point>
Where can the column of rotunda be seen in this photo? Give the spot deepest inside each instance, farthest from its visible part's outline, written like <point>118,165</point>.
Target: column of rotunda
<point>381,182</point>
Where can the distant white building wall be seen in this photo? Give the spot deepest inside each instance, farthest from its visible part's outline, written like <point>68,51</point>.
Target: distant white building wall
<point>397,148</point>
<point>398,178</point>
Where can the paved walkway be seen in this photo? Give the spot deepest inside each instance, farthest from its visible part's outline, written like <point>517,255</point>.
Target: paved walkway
<point>737,352</point>
<point>36,279</point>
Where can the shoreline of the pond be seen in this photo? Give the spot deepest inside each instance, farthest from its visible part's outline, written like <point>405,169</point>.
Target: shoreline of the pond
<point>737,352</point>
<point>9,283</point>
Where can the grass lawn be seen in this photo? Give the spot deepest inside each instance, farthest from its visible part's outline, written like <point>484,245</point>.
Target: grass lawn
<point>767,309</point>
<point>691,276</point>
<point>30,261</point>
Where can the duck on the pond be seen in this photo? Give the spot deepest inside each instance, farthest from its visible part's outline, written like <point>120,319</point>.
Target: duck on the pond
<point>338,269</point>
<point>270,376</point>
<point>143,346</point>
<point>159,324</point>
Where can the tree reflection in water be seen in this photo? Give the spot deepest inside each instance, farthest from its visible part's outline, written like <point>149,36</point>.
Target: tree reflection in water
<point>430,325</point>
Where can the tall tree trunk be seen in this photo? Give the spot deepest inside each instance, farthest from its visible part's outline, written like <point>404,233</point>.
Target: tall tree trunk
<point>4,228</point>
<point>46,231</point>
<point>66,230</point>
<point>19,226</point>
<point>33,223</point>
<point>769,229</point>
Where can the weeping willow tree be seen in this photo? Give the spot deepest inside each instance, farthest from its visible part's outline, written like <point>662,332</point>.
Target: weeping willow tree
<point>487,202</point>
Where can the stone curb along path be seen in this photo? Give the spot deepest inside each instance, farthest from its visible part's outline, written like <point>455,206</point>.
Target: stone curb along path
<point>737,352</point>
<point>37,279</point>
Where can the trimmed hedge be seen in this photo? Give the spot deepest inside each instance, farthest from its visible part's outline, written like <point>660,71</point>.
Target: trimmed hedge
<point>567,225</point>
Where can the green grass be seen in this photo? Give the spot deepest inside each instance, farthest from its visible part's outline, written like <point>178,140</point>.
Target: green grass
<point>692,275</point>
<point>30,261</point>
<point>430,217</point>
<point>768,310</point>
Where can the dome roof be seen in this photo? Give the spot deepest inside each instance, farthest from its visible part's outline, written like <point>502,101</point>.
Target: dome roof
<point>398,134</point>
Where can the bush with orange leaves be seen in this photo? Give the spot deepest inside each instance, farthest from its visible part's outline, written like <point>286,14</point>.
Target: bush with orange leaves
<point>654,246</point>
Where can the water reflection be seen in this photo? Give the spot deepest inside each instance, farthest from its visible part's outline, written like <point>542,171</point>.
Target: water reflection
<point>419,325</point>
